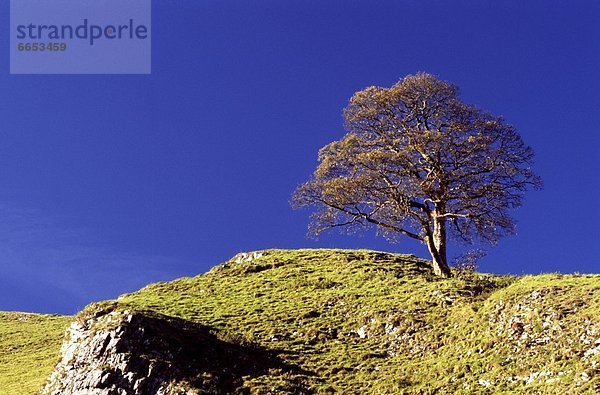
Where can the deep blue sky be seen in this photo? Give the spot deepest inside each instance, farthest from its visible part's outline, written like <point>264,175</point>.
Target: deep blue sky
<point>108,182</point>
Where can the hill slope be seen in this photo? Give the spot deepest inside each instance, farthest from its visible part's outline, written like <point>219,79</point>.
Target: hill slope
<point>29,345</point>
<point>336,321</point>
<point>363,322</point>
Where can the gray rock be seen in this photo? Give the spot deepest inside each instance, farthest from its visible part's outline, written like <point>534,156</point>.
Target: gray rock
<point>119,353</point>
<point>135,353</point>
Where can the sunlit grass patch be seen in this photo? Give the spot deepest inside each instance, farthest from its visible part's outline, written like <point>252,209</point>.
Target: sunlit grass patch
<point>29,345</point>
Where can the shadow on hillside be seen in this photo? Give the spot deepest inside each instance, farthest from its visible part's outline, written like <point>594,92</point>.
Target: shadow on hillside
<point>146,352</point>
<point>191,353</point>
<point>400,265</point>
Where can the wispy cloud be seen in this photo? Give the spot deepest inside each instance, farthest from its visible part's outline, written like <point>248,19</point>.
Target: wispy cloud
<point>48,267</point>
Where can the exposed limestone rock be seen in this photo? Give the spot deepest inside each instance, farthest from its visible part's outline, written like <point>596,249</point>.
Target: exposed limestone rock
<point>133,353</point>
<point>247,256</point>
<point>119,353</point>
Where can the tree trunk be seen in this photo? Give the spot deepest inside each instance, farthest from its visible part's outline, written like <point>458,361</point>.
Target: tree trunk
<point>436,243</point>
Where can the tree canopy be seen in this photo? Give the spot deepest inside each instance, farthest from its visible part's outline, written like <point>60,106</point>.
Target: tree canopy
<point>420,163</point>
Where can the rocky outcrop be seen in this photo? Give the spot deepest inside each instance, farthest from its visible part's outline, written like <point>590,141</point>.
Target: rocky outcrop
<point>135,353</point>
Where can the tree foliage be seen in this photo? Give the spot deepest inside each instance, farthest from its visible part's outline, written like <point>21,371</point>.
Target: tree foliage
<point>419,162</point>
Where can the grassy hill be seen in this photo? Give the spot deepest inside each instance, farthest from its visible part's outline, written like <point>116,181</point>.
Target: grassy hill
<point>29,346</point>
<point>362,322</point>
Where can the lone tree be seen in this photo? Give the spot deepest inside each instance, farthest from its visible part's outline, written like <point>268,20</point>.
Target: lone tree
<point>418,162</point>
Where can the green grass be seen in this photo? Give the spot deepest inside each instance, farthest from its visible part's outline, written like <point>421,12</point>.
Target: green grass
<point>29,346</point>
<point>372,323</point>
<point>363,322</point>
